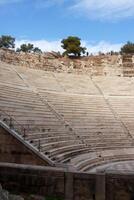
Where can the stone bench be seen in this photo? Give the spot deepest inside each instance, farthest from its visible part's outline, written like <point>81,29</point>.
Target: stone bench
<point>59,144</point>
<point>56,151</point>
<point>67,156</point>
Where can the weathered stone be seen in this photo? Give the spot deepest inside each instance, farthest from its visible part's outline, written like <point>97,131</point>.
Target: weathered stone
<point>93,65</point>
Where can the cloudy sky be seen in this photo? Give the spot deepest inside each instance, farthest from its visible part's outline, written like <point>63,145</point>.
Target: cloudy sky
<point>103,25</point>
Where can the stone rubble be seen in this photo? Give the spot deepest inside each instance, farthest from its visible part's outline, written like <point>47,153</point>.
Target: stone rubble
<point>93,65</point>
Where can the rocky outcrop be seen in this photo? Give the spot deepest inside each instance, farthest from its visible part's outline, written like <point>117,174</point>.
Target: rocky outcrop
<point>106,65</point>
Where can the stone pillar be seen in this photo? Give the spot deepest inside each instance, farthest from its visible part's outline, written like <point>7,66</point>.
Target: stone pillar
<point>100,187</point>
<point>69,187</point>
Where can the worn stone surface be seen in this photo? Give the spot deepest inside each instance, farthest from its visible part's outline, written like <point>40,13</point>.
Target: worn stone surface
<point>106,65</point>
<point>12,151</point>
<point>93,65</point>
<point>47,181</point>
<point>119,186</point>
<point>104,101</point>
<point>38,182</point>
<point>43,103</point>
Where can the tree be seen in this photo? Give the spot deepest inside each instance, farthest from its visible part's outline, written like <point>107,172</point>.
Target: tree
<point>37,50</point>
<point>27,48</point>
<point>128,48</point>
<point>7,41</point>
<point>72,45</point>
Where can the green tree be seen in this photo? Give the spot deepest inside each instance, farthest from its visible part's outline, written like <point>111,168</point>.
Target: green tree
<point>7,41</point>
<point>128,48</point>
<point>72,45</point>
<point>27,48</point>
<point>37,50</point>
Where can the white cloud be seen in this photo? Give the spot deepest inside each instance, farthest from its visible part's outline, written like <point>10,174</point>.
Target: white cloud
<point>102,46</point>
<point>111,10</point>
<point>105,9</point>
<point>44,45</point>
<point>94,48</point>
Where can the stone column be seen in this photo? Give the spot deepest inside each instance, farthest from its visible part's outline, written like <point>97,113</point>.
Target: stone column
<point>100,187</point>
<point>69,187</point>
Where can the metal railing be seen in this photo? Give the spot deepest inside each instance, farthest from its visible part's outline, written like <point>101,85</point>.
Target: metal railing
<point>18,128</point>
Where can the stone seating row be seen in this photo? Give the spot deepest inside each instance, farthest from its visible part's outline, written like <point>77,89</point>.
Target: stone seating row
<point>66,154</point>
<point>59,81</point>
<point>86,132</point>
<point>16,106</point>
<point>124,108</point>
<point>111,126</point>
<point>90,160</point>
<point>84,117</point>
<point>9,76</point>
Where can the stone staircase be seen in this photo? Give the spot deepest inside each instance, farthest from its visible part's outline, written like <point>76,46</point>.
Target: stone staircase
<point>63,122</point>
<point>128,66</point>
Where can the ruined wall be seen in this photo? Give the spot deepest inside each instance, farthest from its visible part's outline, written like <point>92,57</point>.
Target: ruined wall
<point>93,65</point>
<point>44,181</point>
<point>104,65</point>
<point>13,151</point>
<point>120,186</point>
<point>128,65</point>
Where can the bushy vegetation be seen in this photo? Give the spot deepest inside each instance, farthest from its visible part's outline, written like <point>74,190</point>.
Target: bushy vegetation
<point>37,50</point>
<point>7,41</point>
<point>72,45</point>
<point>28,48</point>
<point>128,48</point>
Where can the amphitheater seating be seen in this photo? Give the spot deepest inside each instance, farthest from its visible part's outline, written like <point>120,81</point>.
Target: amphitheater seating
<point>94,160</point>
<point>39,121</point>
<point>92,120</point>
<point>115,86</point>
<point>9,77</point>
<point>72,119</point>
<point>124,108</point>
<point>48,81</point>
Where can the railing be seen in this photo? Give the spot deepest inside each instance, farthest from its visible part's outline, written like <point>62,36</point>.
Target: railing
<point>18,128</point>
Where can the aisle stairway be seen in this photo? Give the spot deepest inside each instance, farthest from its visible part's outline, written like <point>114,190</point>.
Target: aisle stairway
<point>65,124</point>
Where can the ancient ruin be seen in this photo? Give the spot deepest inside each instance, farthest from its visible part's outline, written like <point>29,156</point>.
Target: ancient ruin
<point>67,126</point>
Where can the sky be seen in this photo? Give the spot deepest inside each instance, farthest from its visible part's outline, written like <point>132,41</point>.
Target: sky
<point>102,25</point>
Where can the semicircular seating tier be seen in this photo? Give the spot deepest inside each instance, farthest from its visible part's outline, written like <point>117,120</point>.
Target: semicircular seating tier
<point>70,119</point>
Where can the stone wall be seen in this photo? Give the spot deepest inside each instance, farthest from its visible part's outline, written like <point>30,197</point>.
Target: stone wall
<point>106,65</point>
<point>44,181</point>
<point>120,186</point>
<point>93,65</point>
<point>13,151</point>
<point>67,185</point>
<point>128,65</point>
